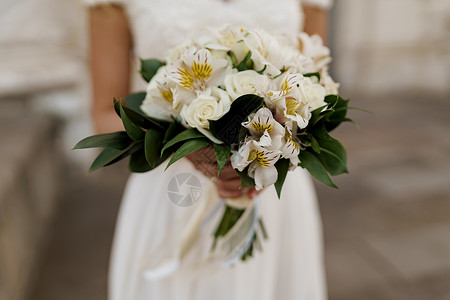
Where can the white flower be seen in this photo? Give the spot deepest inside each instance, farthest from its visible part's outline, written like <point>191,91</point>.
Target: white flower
<point>312,93</point>
<point>296,98</point>
<point>286,100</point>
<point>312,46</point>
<point>181,51</point>
<point>260,160</point>
<point>246,82</point>
<point>263,127</point>
<point>291,147</point>
<point>158,102</point>
<point>207,106</point>
<point>331,87</point>
<point>195,73</point>
<point>198,71</point>
<point>229,38</point>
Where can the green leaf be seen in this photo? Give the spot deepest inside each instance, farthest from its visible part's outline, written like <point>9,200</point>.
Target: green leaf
<point>314,144</point>
<point>246,63</point>
<point>245,179</point>
<point>334,157</point>
<point>316,116</point>
<point>163,158</point>
<point>316,74</point>
<point>233,58</point>
<point>149,67</point>
<point>183,136</point>
<point>222,153</point>
<point>282,166</point>
<point>153,145</point>
<point>172,131</point>
<point>117,106</point>
<point>227,128</point>
<point>321,133</point>
<point>109,156</point>
<point>138,162</point>
<point>187,148</point>
<point>130,150</point>
<point>117,140</point>
<point>311,163</point>
<point>133,131</point>
<point>134,101</point>
<point>142,120</point>
<point>340,111</point>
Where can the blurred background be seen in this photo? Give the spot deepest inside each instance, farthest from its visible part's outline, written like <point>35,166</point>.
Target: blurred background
<point>387,229</point>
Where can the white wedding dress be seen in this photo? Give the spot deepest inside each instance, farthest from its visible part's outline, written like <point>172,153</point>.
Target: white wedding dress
<point>150,227</point>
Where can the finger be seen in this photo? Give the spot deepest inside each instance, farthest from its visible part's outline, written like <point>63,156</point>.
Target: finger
<point>232,184</point>
<point>224,193</point>
<point>252,193</point>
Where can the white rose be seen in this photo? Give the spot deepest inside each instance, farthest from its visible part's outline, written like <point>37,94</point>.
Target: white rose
<point>312,93</point>
<point>246,82</point>
<point>207,106</point>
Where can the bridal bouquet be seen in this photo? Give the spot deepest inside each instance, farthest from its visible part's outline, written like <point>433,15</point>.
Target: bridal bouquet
<point>266,103</point>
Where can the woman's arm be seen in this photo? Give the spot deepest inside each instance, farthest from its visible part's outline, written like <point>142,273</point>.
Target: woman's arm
<point>110,43</point>
<point>316,21</point>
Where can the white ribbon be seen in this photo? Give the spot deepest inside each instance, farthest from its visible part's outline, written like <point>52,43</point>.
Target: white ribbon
<point>229,248</point>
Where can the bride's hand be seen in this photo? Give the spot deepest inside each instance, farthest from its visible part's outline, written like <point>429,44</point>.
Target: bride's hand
<point>228,182</point>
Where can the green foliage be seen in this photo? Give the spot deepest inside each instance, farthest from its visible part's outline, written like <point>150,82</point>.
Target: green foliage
<point>282,166</point>
<point>340,107</point>
<point>138,162</point>
<point>228,127</point>
<point>246,63</point>
<point>149,67</point>
<point>183,136</point>
<point>110,155</point>
<point>187,148</point>
<point>245,179</point>
<point>133,130</point>
<point>222,153</point>
<point>116,140</point>
<point>311,163</point>
<point>315,74</point>
<point>324,155</point>
<point>134,101</point>
<point>153,145</point>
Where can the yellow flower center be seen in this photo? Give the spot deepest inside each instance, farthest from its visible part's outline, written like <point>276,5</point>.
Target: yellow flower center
<point>201,71</point>
<point>291,106</point>
<point>167,95</point>
<point>186,78</point>
<point>260,127</point>
<point>260,158</point>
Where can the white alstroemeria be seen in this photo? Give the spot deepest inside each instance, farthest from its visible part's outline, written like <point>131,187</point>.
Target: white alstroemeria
<point>286,100</point>
<point>275,54</point>
<point>260,161</point>
<point>291,147</point>
<point>246,82</point>
<point>229,38</point>
<point>265,129</point>
<point>296,98</point>
<point>181,51</point>
<point>312,46</point>
<point>266,52</point>
<point>158,102</point>
<point>198,71</point>
<point>207,106</point>
<point>195,73</point>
